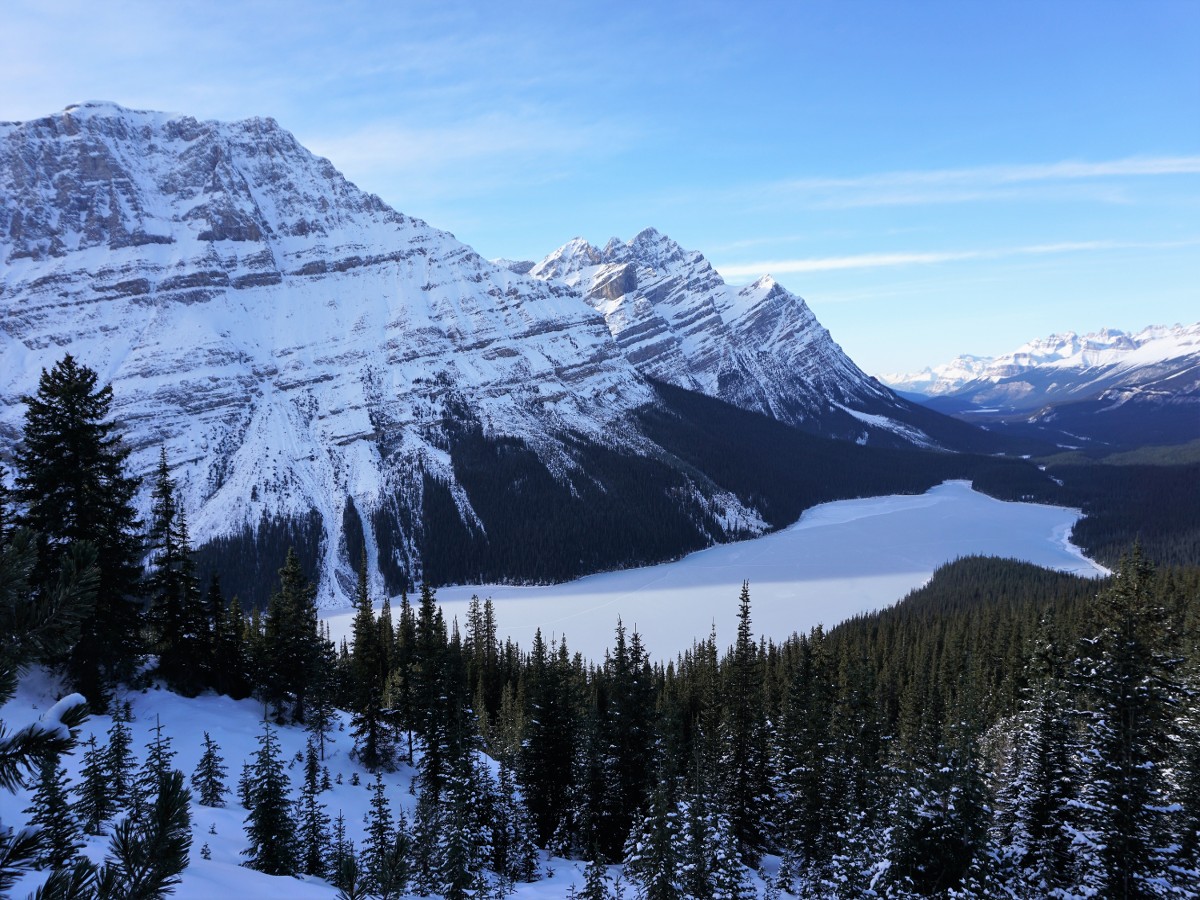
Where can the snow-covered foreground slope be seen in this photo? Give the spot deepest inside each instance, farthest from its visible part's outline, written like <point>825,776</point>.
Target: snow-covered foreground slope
<point>840,559</point>
<point>235,726</point>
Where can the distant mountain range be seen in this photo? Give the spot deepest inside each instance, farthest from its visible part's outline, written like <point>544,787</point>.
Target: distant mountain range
<point>327,372</point>
<point>1107,389</point>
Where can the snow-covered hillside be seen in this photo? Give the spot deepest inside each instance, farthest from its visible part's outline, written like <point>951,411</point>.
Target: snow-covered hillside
<point>236,725</point>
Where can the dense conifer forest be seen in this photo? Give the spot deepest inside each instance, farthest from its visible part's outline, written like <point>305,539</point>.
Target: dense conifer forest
<point>1002,732</point>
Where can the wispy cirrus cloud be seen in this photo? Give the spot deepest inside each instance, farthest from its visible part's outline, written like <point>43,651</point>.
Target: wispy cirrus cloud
<point>883,260</point>
<point>1099,180</point>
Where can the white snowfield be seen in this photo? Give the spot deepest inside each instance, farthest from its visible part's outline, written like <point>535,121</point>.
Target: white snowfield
<point>235,725</point>
<point>840,559</point>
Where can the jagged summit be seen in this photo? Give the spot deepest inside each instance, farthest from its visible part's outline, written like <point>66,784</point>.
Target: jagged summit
<point>758,346</point>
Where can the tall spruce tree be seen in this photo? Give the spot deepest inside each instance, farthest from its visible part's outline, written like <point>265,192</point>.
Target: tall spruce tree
<point>312,818</point>
<point>1034,822</point>
<point>745,763</point>
<point>1131,692</point>
<point>73,487</point>
<point>270,827</point>
<point>208,781</point>
<point>291,653</point>
<point>95,804</point>
<point>547,752</point>
<point>119,759</point>
<point>60,837</point>
<point>380,834</point>
<point>367,675</point>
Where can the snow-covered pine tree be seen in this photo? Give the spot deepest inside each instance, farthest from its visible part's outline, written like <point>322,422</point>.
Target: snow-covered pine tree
<point>465,843</point>
<point>60,837</point>
<point>514,854</point>
<point>119,758</point>
<point>377,841</point>
<point>804,783</point>
<point>709,858</point>
<point>394,870</point>
<point>597,884</point>
<point>72,485</point>
<point>344,871</point>
<point>1032,830</point>
<point>291,650</point>
<point>745,763</point>
<point>94,804</point>
<point>312,820</point>
<point>652,852</point>
<point>367,677</point>
<point>546,760</point>
<point>208,781</point>
<point>270,829</point>
<point>155,767</point>
<point>1131,692</point>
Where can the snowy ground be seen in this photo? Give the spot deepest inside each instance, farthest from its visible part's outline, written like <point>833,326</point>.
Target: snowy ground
<point>235,726</point>
<point>840,559</point>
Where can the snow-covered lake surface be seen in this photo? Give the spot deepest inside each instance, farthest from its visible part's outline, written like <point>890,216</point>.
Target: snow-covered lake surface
<point>840,559</point>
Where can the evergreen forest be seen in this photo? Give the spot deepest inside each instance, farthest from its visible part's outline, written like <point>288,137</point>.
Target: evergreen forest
<point>1002,732</point>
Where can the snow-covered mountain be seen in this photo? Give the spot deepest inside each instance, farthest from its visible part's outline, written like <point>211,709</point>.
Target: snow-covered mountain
<point>326,371</point>
<point>292,340</point>
<point>758,347</point>
<point>1091,387</point>
<point>943,379</point>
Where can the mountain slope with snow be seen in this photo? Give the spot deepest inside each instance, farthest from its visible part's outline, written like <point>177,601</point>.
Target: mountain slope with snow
<point>759,346</point>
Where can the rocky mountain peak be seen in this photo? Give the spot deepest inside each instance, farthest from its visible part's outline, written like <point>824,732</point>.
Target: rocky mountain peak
<point>295,343</point>
<point>758,346</point>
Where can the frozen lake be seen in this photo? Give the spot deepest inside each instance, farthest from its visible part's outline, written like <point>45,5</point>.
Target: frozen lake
<point>840,559</point>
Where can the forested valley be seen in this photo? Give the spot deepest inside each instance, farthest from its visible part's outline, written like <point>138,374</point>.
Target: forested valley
<point>1004,731</point>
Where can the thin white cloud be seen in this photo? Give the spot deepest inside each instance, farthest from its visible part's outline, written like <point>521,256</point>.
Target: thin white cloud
<point>883,260</point>
<point>1095,180</point>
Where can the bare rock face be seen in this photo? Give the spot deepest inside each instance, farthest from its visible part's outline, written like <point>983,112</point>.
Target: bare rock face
<point>292,340</point>
<point>759,347</point>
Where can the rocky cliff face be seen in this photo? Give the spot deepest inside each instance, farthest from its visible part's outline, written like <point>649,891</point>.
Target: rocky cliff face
<point>759,346</point>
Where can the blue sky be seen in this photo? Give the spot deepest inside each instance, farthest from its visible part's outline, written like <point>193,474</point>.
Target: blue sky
<point>933,177</point>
